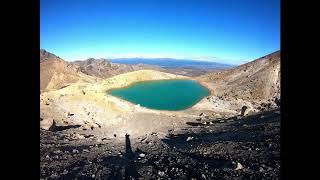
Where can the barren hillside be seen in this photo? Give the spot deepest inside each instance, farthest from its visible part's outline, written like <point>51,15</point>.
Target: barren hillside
<point>103,68</point>
<point>256,80</point>
<point>55,73</point>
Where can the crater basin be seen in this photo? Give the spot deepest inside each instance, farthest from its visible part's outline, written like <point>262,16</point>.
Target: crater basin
<point>169,95</point>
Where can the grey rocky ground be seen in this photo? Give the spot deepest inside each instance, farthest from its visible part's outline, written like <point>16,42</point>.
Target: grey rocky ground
<point>234,148</point>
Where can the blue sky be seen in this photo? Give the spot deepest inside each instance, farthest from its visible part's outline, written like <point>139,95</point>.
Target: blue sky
<point>229,31</point>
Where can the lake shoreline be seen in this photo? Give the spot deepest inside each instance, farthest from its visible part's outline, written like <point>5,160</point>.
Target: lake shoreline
<point>209,92</point>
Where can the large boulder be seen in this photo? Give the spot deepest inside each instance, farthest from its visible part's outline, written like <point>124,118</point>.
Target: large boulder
<point>47,123</point>
<point>245,110</point>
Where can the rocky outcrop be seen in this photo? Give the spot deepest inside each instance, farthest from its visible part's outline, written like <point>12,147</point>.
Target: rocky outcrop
<point>46,123</point>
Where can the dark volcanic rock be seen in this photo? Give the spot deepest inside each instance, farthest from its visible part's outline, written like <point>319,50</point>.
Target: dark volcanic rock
<point>243,110</point>
<point>248,148</point>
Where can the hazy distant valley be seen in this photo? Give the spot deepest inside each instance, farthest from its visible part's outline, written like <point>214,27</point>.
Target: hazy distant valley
<point>173,63</point>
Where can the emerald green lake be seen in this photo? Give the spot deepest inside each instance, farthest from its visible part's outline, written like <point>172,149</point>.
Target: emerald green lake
<point>163,94</point>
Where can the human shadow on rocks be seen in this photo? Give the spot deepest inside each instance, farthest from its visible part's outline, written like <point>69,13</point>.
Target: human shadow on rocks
<point>122,166</point>
<point>129,153</point>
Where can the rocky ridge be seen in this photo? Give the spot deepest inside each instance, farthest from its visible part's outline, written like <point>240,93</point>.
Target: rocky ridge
<point>103,68</point>
<point>256,80</point>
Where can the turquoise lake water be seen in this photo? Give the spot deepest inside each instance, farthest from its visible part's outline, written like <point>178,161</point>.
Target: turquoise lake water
<point>163,94</point>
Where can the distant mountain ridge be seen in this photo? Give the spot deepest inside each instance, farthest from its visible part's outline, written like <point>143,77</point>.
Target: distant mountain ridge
<point>103,68</point>
<point>56,73</point>
<point>173,63</point>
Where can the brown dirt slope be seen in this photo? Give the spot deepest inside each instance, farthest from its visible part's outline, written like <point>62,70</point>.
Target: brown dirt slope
<point>55,73</point>
<point>256,80</point>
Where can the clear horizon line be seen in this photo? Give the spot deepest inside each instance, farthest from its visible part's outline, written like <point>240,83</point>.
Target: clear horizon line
<point>195,58</point>
<point>212,59</point>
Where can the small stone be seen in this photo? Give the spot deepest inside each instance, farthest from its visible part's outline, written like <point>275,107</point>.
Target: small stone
<point>142,155</point>
<point>239,166</point>
<point>93,176</point>
<point>222,121</point>
<point>160,173</point>
<point>204,123</point>
<point>75,151</point>
<point>189,138</point>
<point>65,172</point>
<point>115,135</point>
<point>79,136</point>
<point>57,152</point>
<point>261,169</point>
<point>210,123</point>
<point>244,111</point>
<point>153,133</point>
<point>85,150</point>
<point>47,156</point>
<point>54,176</point>
<point>203,176</point>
